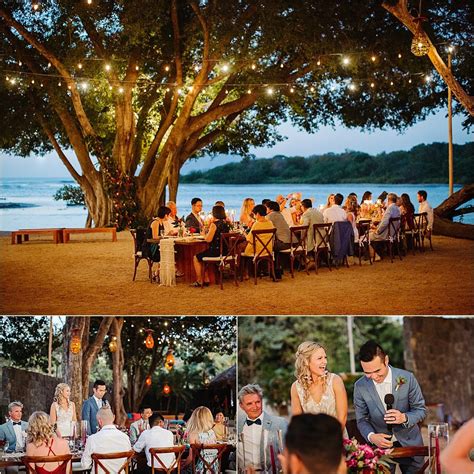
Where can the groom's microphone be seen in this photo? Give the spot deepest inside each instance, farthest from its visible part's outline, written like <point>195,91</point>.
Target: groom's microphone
<point>389,399</point>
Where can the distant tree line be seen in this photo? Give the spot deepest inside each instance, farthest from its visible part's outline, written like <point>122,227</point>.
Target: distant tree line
<point>422,164</point>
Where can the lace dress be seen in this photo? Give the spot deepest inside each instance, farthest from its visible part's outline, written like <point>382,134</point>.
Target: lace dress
<point>64,419</point>
<point>326,405</point>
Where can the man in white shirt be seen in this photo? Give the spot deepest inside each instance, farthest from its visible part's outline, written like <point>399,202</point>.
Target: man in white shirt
<point>286,212</point>
<point>137,427</point>
<point>335,213</point>
<point>13,432</point>
<point>256,429</point>
<point>108,440</point>
<point>379,424</point>
<point>424,206</point>
<point>156,437</point>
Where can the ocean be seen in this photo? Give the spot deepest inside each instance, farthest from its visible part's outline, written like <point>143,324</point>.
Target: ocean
<point>36,208</point>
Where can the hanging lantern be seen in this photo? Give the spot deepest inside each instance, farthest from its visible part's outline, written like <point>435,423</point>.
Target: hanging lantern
<point>75,344</point>
<point>113,344</point>
<point>166,389</point>
<point>420,45</point>
<point>169,362</point>
<point>148,381</point>
<point>149,341</point>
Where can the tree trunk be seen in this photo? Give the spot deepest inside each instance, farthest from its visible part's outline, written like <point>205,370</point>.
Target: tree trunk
<point>117,374</point>
<point>173,181</point>
<point>99,204</point>
<point>443,379</point>
<point>444,213</point>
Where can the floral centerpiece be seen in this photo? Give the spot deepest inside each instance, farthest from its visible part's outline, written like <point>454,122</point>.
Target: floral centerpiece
<point>364,459</point>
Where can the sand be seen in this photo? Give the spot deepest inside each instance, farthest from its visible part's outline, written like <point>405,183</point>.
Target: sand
<point>93,276</point>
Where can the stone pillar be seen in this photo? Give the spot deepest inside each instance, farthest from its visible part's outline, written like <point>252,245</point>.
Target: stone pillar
<point>440,352</point>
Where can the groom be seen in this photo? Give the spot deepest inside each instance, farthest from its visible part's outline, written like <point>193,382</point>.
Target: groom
<point>380,424</point>
<point>258,429</point>
<point>91,406</point>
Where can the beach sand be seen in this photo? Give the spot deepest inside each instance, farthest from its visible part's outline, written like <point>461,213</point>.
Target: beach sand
<point>94,276</point>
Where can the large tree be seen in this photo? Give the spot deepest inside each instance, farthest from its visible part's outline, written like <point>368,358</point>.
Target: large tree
<point>137,88</point>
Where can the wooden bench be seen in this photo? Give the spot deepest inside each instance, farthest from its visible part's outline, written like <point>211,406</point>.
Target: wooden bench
<point>95,230</point>
<point>23,235</point>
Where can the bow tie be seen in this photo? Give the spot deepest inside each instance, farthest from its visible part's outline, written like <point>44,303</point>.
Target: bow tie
<point>258,421</point>
<point>16,423</point>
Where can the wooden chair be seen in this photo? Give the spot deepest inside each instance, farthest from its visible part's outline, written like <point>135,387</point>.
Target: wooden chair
<point>98,457</point>
<point>298,239</point>
<point>409,452</point>
<point>393,237</point>
<point>228,257</point>
<point>321,233</point>
<point>139,241</point>
<point>199,457</point>
<point>364,240</point>
<point>265,238</point>
<point>422,232</point>
<point>63,460</point>
<point>176,450</point>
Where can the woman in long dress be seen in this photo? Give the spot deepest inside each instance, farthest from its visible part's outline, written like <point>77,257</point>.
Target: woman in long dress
<point>316,390</point>
<point>63,410</point>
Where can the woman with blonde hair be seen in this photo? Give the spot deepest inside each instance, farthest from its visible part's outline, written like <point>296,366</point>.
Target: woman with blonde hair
<point>43,441</point>
<point>199,431</point>
<point>316,390</point>
<point>63,410</point>
<point>246,215</point>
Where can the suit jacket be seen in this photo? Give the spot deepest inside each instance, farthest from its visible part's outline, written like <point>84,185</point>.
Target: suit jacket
<point>89,413</point>
<point>370,410</point>
<point>270,423</point>
<point>7,433</point>
<point>193,221</point>
<point>341,240</point>
<point>392,211</point>
<point>310,217</point>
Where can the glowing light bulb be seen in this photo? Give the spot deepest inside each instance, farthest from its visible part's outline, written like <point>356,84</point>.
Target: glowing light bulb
<point>196,68</point>
<point>270,91</point>
<point>450,49</point>
<point>107,67</point>
<point>427,78</point>
<point>20,63</point>
<point>167,68</point>
<point>312,89</point>
<point>373,58</point>
<point>79,66</point>
<point>345,60</point>
<point>352,87</point>
<point>391,83</point>
<point>120,90</point>
<point>180,91</point>
<point>372,84</point>
<point>318,63</point>
<point>110,88</point>
<point>399,55</point>
<point>89,2</point>
<point>292,90</point>
<point>409,81</point>
<point>137,68</point>
<point>249,91</point>
<point>59,84</point>
<point>49,65</point>
<point>225,68</point>
<point>32,81</point>
<point>253,67</point>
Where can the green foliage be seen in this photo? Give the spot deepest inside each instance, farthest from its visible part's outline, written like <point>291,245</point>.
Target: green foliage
<point>73,195</point>
<point>422,164</point>
<point>267,347</point>
<point>24,341</point>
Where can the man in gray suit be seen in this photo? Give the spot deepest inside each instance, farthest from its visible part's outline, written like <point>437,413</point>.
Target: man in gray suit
<point>257,430</point>
<point>12,431</point>
<point>389,405</point>
<point>91,406</point>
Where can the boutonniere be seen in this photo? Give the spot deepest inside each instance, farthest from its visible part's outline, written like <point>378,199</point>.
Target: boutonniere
<point>400,381</point>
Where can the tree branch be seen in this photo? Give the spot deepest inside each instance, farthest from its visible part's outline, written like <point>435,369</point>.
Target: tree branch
<point>177,51</point>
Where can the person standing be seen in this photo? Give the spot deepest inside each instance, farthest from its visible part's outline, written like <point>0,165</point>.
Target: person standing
<point>63,410</point>
<point>389,405</point>
<point>92,405</point>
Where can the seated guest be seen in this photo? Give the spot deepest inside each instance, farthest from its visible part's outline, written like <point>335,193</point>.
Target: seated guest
<point>246,216</point>
<point>296,211</point>
<point>407,211</point>
<point>457,457</point>
<point>12,431</point>
<point>199,431</point>
<point>63,410</point>
<point>366,204</point>
<point>219,427</point>
<point>313,445</point>
<point>193,220</point>
<point>173,217</point>
<point>367,196</point>
<point>425,207</point>
<point>382,230</point>
<point>264,201</point>
<point>286,212</point>
<point>43,441</point>
<point>137,427</point>
<point>350,207</point>
<point>156,437</point>
<point>335,213</point>
<point>220,203</point>
<point>261,223</point>
<point>329,202</point>
<point>310,217</point>
<point>219,225</point>
<point>108,440</point>
<point>161,224</point>
<point>381,198</point>
<point>283,234</point>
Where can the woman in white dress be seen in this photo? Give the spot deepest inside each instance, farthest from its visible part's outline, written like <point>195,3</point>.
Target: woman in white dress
<point>63,410</point>
<point>316,390</point>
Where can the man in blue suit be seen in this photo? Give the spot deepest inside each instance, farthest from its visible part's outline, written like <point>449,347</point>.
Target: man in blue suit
<point>388,426</point>
<point>12,431</point>
<point>91,406</point>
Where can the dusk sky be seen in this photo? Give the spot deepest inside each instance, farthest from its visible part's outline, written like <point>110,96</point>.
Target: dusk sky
<point>433,129</point>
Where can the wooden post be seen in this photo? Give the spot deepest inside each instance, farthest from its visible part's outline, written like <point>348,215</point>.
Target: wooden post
<point>450,132</point>
<point>50,345</point>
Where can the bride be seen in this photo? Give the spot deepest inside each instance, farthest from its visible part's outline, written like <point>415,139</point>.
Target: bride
<point>316,390</point>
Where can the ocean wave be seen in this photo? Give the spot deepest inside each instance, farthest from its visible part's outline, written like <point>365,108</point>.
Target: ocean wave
<point>16,205</point>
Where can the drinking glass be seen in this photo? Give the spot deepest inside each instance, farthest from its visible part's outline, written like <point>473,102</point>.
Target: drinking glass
<point>439,437</point>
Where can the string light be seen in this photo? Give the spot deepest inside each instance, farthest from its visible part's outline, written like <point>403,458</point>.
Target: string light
<point>167,68</point>
<point>196,68</point>
<point>372,84</point>
<point>107,67</point>
<point>254,67</point>
<point>373,58</point>
<point>312,89</point>
<point>269,91</point>
<point>318,62</point>
<point>346,60</point>
<point>79,66</point>
<point>428,78</point>
<point>352,87</point>
<point>121,90</point>
<point>292,90</point>
<point>89,2</point>
<point>225,68</point>
<point>137,68</point>
<point>450,48</point>
<point>249,91</point>
<point>399,55</point>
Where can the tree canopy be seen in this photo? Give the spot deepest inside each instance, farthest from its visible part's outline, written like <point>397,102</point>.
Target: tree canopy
<point>136,94</point>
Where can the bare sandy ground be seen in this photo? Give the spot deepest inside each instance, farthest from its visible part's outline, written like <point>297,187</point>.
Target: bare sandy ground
<point>95,277</point>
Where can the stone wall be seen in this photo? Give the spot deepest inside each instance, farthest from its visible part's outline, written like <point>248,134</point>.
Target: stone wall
<point>33,389</point>
<point>440,352</point>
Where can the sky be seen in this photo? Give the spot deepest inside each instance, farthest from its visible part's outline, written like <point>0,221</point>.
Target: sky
<point>326,140</point>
